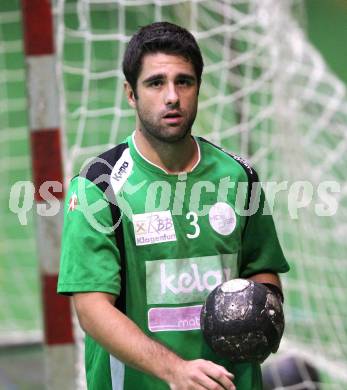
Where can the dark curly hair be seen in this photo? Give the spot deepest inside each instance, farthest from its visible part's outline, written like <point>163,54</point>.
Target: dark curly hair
<point>160,37</point>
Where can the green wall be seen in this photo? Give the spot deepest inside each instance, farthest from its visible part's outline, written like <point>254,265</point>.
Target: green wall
<point>327,30</point>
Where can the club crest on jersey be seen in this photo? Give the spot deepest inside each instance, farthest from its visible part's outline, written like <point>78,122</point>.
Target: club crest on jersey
<point>153,228</point>
<point>73,202</point>
<point>222,218</point>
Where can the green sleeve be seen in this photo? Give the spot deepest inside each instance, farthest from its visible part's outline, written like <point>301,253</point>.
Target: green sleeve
<point>90,259</point>
<point>261,250</point>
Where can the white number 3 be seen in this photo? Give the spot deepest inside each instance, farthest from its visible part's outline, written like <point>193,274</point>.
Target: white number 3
<point>193,222</point>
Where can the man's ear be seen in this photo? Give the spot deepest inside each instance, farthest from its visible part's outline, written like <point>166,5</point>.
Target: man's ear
<point>130,94</point>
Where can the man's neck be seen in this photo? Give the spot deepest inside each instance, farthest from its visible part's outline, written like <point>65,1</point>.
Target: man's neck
<point>174,158</point>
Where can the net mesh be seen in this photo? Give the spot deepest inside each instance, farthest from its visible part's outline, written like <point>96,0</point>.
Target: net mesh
<point>266,95</point>
<point>20,318</point>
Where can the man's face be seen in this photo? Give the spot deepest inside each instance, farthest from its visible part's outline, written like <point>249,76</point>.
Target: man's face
<point>167,97</point>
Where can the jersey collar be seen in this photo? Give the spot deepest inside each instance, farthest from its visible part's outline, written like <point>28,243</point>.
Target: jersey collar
<point>153,167</point>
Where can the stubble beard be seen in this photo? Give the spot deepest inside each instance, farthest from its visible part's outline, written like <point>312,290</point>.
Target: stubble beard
<point>152,129</point>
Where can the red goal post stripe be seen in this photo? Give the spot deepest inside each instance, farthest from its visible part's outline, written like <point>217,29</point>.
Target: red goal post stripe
<point>38,27</point>
<point>46,160</point>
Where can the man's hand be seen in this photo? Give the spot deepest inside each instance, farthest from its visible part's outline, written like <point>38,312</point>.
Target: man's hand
<point>125,340</point>
<point>201,375</point>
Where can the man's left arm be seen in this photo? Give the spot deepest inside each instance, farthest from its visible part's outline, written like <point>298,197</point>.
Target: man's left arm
<point>262,258</point>
<point>267,277</point>
<point>271,281</point>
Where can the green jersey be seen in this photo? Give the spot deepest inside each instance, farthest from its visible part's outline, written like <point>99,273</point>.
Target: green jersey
<point>161,243</point>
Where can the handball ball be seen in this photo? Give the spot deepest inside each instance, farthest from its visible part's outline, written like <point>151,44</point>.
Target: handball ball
<point>242,321</point>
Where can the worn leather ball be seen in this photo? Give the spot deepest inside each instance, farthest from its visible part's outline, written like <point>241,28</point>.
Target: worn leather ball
<point>242,321</point>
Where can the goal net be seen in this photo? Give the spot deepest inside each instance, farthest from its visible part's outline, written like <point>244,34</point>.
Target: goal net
<point>266,95</point>
<point>20,318</point>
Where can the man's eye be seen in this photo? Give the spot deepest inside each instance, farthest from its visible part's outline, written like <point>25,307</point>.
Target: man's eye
<point>156,83</point>
<point>184,82</point>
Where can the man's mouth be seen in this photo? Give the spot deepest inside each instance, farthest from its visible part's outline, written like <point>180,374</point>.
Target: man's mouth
<point>173,118</point>
<point>173,114</point>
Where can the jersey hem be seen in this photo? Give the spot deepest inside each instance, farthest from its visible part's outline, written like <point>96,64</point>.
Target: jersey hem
<point>251,272</point>
<point>71,288</point>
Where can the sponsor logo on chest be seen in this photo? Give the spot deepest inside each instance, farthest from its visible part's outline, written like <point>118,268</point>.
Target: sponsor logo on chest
<point>177,281</point>
<point>153,228</point>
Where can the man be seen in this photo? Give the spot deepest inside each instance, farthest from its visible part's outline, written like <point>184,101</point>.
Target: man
<point>138,288</point>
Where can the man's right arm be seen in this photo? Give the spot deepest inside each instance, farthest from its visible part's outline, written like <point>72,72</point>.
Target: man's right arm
<point>124,339</point>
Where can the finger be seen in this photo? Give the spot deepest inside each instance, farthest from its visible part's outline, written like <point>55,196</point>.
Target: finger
<point>209,383</point>
<point>221,376</point>
<point>228,373</point>
<point>190,386</point>
<point>222,369</point>
<point>226,385</point>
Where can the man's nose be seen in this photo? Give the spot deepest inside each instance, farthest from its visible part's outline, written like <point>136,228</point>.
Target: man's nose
<point>171,95</point>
